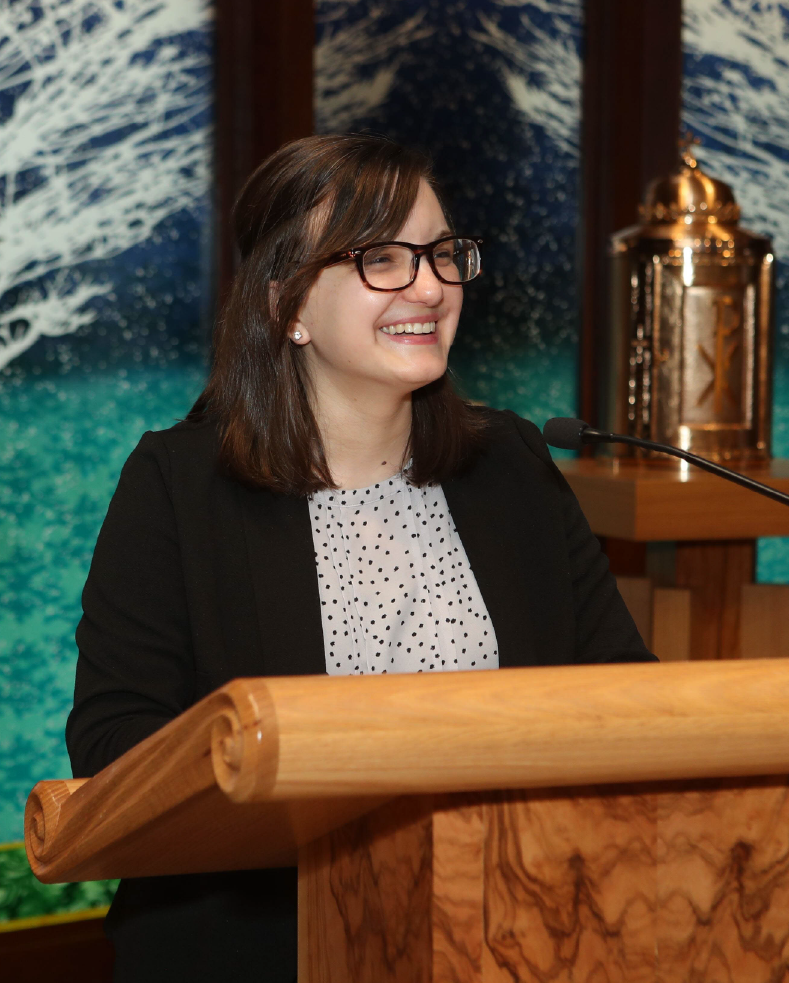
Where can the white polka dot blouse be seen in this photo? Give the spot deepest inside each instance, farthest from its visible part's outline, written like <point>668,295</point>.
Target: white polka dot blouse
<point>396,590</point>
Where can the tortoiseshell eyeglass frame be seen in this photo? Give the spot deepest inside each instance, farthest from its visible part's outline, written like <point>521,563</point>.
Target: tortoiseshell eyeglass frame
<point>358,255</point>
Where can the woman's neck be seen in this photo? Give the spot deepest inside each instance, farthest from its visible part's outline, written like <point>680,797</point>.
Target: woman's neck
<point>365,443</point>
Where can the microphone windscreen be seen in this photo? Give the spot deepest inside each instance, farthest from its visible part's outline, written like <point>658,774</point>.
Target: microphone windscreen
<point>564,432</point>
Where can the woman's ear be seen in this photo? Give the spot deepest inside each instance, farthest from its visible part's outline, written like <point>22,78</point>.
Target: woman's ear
<point>298,334</point>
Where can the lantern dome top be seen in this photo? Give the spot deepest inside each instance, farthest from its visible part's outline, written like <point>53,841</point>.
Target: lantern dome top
<point>689,196</point>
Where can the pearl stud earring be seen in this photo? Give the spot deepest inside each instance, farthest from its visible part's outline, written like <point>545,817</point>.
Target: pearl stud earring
<point>296,335</point>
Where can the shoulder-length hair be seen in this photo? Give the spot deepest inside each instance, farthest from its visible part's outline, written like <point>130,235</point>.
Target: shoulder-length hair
<point>312,198</point>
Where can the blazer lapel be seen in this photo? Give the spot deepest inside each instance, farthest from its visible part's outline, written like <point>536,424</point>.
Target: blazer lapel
<point>285,582</point>
<point>482,506</point>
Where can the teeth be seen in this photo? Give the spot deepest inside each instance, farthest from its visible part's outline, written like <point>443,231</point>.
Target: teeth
<point>408,328</point>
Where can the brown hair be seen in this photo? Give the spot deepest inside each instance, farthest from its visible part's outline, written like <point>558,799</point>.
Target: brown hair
<point>364,188</point>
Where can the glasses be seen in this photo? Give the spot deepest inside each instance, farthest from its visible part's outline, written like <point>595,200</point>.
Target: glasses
<point>395,265</point>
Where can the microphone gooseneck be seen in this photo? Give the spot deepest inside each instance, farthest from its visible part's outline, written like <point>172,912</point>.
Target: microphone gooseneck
<point>571,435</point>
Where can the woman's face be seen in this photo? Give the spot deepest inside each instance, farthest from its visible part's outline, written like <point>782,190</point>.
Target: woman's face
<point>341,321</point>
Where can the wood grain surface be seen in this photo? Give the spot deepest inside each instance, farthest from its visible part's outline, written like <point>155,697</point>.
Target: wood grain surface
<point>637,594</point>
<point>160,809</point>
<point>723,882</point>
<point>457,915</point>
<point>285,751</point>
<point>715,574</point>
<point>526,728</point>
<point>764,621</point>
<point>673,883</point>
<point>671,632</point>
<point>365,899</point>
<point>569,887</point>
<point>662,616</point>
<point>643,502</point>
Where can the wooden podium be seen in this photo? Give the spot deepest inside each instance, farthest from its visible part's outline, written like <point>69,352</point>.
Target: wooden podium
<point>590,823</point>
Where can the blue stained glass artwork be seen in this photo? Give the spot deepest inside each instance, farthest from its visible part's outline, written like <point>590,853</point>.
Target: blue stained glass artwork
<point>105,301</point>
<point>736,101</point>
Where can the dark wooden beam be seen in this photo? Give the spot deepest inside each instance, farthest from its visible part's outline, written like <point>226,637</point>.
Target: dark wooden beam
<point>630,127</point>
<point>71,952</point>
<point>263,96</point>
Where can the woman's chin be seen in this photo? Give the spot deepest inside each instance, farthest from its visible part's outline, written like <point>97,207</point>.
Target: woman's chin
<point>418,379</point>
<point>421,365</point>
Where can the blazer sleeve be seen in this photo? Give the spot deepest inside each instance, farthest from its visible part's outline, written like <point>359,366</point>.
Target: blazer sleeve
<point>135,669</point>
<point>604,628</point>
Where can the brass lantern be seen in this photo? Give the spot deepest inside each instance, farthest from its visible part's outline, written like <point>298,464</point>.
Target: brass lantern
<point>692,311</point>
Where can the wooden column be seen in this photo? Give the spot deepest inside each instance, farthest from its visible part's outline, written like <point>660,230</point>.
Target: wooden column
<point>715,574</point>
<point>630,126</point>
<point>263,96</point>
<point>764,621</point>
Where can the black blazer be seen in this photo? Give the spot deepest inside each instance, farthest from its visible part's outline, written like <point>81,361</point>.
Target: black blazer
<point>197,580</point>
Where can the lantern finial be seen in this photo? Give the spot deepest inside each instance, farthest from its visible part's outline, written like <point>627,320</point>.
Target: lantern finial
<point>686,145</point>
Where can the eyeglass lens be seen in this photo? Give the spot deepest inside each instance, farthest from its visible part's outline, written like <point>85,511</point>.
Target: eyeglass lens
<point>392,267</point>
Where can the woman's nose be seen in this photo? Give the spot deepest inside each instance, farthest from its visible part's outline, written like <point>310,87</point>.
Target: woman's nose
<point>426,288</point>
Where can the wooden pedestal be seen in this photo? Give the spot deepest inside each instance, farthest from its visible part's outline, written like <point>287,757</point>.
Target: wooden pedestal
<point>669,882</point>
<point>699,533</point>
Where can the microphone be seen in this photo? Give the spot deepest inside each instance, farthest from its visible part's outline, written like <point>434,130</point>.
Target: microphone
<point>571,435</point>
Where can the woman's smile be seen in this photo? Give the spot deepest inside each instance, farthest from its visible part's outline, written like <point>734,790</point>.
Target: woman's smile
<point>414,331</point>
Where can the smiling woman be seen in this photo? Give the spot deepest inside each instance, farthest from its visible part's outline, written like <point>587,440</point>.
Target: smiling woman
<point>325,227</point>
<point>357,362</point>
<point>330,505</point>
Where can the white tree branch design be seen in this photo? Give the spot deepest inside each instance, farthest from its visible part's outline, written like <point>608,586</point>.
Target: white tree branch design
<point>345,91</point>
<point>107,137</point>
<point>742,104</point>
<point>543,73</point>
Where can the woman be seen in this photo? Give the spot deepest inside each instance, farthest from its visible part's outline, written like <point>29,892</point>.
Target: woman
<point>329,505</point>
